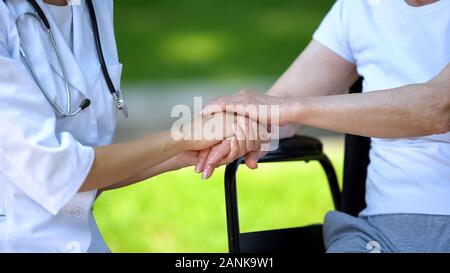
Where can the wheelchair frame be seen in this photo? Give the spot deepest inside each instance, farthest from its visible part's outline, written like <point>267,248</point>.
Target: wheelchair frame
<point>299,148</point>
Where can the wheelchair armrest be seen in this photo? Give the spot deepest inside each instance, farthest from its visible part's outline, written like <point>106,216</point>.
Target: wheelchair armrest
<point>296,148</point>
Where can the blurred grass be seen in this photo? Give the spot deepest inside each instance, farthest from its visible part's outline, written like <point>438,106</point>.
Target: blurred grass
<point>178,212</point>
<point>220,39</point>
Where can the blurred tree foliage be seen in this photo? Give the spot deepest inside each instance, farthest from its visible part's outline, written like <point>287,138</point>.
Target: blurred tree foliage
<point>213,39</point>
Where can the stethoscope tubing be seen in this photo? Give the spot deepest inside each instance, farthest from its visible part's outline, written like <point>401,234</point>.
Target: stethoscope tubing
<point>116,94</point>
<point>68,111</point>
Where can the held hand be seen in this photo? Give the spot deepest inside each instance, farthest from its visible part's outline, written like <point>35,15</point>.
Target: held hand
<point>225,153</point>
<point>223,145</point>
<point>255,105</point>
<point>183,160</point>
<point>246,141</point>
<point>205,131</point>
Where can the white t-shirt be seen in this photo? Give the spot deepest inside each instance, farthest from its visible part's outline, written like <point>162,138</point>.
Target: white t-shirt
<point>63,17</point>
<point>394,44</point>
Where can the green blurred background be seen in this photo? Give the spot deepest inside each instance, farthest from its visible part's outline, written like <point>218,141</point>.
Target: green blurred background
<point>165,42</point>
<point>220,39</point>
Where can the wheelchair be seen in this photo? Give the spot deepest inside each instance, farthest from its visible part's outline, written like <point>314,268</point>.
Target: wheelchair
<point>307,239</point>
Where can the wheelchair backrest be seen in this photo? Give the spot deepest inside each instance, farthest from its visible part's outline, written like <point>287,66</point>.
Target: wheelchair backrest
<point>355,168</point>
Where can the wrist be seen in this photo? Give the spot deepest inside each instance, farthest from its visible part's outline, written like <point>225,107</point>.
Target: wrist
<point>174,145</point>
<point>173,164</point>
<point>293,111</point>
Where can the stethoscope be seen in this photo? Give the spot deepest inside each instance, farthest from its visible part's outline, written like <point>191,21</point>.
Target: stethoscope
<point>68,111</point>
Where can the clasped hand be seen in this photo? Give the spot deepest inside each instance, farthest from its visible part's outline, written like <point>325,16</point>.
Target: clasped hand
<point>248,133</point>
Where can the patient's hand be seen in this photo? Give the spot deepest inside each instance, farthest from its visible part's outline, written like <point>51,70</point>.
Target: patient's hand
<point>245,103</point>
<point>255,105</point>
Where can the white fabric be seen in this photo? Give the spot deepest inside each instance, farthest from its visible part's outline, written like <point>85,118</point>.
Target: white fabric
<point>394,44</point>
<point>62,15</point>
<point>44,159</point>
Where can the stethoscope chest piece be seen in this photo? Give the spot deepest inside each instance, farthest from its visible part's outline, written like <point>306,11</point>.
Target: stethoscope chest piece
<point>120,103</point>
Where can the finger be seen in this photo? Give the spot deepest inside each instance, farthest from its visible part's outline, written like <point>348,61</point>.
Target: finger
<point>256,146</point>
<point>248,136</point>
<point>215,157</point>
<point>251,159</point>
<point>240,134</point>
<point>207,172</point>
<point>255,142</point>
<point>202,156</point>
<point>264,132</point>
<point>234,151</point>
<point>256,139</point>
<point>252,156</point>
<point>218,152</point>
<point>242,109</point>
<point>232,156</point>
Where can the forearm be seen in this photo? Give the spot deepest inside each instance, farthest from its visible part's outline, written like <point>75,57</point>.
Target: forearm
<point>409,111</point>
<point>117,163</point>
<point>166,166</point>
<point>316,72</point>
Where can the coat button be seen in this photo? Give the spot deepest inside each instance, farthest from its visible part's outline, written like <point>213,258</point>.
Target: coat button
<point>77,212</point>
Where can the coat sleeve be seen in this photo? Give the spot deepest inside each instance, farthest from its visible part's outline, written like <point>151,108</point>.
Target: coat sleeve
<point>48,167</point>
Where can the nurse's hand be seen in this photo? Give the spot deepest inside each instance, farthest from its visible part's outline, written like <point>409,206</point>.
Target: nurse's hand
<point>182,160</point>
<point>225,153</point>
<point>228,151</point>
<point>246,142</point>
<point>204,132</point>
<point>123,164</point>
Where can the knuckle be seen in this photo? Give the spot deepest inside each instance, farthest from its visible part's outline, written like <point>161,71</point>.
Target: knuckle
<point>217,100</point>
<point>244,91</point>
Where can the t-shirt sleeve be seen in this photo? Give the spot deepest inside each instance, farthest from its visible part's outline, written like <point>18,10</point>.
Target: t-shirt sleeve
<point>333,32</point>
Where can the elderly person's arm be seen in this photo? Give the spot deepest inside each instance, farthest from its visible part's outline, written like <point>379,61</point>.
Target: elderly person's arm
<point>318,71</point>
<point>408,111</point>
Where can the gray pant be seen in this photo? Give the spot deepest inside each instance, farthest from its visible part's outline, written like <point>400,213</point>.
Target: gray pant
<point>390,233</point>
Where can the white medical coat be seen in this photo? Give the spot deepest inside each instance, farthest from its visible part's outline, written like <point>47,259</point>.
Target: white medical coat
<point>44,159</point>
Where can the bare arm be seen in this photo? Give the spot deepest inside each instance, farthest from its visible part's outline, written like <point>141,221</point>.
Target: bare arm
<point>182,160</point>
<point>408,111</point>
<point>116,163</point>
<point>318,71</point>
<point>123,164</point>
